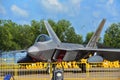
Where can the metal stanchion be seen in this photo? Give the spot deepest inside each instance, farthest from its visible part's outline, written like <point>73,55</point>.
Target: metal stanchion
<point>58,74</point>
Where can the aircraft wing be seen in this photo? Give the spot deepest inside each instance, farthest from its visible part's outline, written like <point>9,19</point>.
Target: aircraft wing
<point>100,50</point>
<point>89,49</point>
<point>108,54</point>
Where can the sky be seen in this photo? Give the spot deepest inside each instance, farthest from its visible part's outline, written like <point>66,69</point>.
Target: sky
<point>84,15</point>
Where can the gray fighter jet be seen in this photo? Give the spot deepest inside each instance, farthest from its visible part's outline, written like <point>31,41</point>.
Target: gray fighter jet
<point>50,48</point>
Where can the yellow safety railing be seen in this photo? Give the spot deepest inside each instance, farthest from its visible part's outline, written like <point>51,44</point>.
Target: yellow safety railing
<point>108,64</point>
<point>72,70</point>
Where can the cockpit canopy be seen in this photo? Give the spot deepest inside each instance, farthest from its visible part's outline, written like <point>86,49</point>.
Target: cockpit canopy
<point>42,38</point>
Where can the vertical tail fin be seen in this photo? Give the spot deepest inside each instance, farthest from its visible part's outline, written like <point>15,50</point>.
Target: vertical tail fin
<point>51,33</point>
<point>94,39</point>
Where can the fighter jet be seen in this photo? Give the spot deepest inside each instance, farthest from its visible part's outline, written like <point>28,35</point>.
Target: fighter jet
<point>50,48</point>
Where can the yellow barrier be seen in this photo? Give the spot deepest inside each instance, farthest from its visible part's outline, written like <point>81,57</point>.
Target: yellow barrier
<point>108,64</point>
<point>38,71</point>
<point>38,65</point>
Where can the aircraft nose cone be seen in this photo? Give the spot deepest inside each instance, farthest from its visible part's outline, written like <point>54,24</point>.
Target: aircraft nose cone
<point>33,49</point>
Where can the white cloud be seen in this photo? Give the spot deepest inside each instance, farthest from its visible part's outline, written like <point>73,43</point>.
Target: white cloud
<point>74,7</point>
<point>19,11</point>
<point>52,5</point>
<point>2,10</point>
<point>69,7</point>
<point>111,8</point>
<point>96,14</point>
<point>75,2</point>
<point>108,7</point>
<point>110,2</point>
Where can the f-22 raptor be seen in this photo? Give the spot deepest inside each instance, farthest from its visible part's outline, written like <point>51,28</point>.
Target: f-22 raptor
<point>50,48</point>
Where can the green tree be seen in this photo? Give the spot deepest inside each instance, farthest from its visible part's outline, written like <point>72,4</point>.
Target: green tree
<point>6,38</point>
<point>72,37</point>
<point>112,36</point>
<point>25,37</point>
<point>88,37</point>
<point>66,32</point>
<point>62,27</point>
<point>15,36</point>
<point>35,26</point>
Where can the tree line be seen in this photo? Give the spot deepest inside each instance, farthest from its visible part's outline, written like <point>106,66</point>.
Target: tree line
<point>14,36</point>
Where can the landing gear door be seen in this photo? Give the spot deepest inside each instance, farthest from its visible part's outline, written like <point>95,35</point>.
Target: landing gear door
<point>70,56</point>
<point>59,55</point>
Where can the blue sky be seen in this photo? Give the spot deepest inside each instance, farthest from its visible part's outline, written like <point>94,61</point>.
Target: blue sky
<point>85,15</point>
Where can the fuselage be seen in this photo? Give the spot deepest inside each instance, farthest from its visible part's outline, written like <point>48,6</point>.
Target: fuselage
<point>46,51</point>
